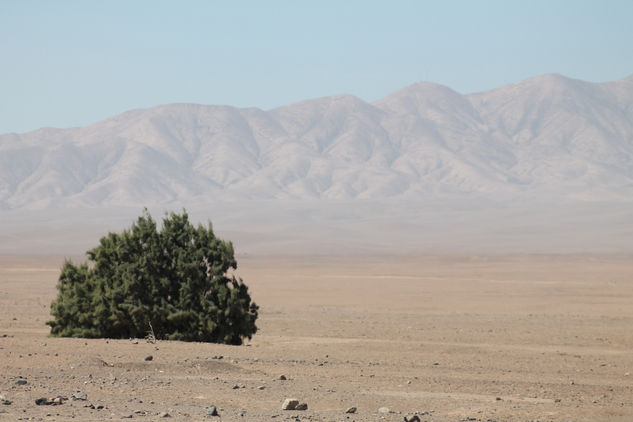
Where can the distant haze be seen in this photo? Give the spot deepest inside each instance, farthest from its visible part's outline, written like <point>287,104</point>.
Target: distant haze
<point>546,163</point>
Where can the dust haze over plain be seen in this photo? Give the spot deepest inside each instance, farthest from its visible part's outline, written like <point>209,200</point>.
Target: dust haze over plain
<point>542,164</point>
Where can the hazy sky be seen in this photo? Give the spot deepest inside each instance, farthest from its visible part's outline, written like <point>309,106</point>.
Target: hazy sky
<point>71,63</point>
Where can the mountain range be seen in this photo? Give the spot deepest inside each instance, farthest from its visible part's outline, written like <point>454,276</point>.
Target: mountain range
<point>548,136</point>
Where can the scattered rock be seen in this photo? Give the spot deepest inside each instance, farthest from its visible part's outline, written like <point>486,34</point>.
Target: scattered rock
<point>103,362</point>
<point>282,377</point>
<point>127,415</point>
<point>261,387</point>
<point>302,406</point>
<point>134,341</point>
<point>80,395</point>
<point>212,411</point>
<point>164,415</point>
<point>149,357</point>
<point>384,410</point>
<point>351,410</point>
<point>4,400</point>
<point>414,418</point>
<point>290,404</point>
<point>43,401</point>
<point>21,381</point>
<point>58,400</point>
<point>498,399</point>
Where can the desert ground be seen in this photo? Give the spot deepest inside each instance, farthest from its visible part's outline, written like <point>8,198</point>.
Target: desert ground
<point>446,337</point>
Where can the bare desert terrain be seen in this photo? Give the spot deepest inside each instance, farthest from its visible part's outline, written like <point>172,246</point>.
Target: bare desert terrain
<point>447,337</point>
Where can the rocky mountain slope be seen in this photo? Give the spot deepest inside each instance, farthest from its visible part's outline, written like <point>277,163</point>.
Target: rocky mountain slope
<point>549,136</point>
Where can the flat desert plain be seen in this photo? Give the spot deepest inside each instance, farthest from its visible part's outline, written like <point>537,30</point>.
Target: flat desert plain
<point>447,337</point>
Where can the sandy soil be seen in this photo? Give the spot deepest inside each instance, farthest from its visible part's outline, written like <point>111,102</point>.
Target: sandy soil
<point>495,338</point>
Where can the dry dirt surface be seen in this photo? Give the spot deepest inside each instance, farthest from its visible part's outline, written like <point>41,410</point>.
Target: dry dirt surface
<point>449,338</point>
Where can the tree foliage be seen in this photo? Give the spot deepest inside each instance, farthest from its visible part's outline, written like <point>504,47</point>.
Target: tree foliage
<point>174,279</point>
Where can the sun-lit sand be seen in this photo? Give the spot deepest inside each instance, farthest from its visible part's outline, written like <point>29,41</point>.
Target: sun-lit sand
<point>451,337</point>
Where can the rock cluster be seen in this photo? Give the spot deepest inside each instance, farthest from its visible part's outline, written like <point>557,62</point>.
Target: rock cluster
<point>293,404</point>
<point>43,401</point>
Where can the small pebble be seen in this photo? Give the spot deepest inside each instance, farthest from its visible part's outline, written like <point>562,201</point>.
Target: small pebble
<point>80,395</point>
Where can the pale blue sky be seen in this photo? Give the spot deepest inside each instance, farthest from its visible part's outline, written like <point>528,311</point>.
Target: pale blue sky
<point>72,63</point>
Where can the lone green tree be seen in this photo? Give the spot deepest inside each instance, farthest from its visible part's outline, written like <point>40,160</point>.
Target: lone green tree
<point>175,279</point>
